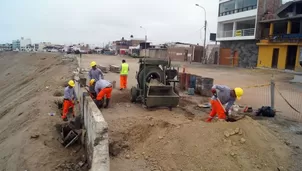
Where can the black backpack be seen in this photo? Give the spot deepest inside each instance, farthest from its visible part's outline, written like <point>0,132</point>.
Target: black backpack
<point>266,111</point>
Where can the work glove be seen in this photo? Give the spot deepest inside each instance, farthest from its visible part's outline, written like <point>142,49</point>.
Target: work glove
<point>214,92</point>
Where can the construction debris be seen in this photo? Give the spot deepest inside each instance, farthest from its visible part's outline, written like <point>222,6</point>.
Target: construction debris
<point>114,68</point>
<point>242,140</point>
<point>104,69</point>
<point>232,132</point>
<point>35,136</point>
<point>69,135</point>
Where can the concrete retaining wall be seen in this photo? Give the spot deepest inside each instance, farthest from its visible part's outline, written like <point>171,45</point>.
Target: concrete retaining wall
<point>96,138</point>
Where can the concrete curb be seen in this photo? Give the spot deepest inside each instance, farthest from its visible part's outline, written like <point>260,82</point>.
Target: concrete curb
<point>96,138</point>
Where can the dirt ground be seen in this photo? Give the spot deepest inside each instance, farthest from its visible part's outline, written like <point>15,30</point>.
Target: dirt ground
<point>164,140</point>
<point>28,137</point>
<point>180,140</point>
<point>251,80</point>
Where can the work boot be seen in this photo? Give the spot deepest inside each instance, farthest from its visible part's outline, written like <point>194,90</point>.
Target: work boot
<point>107,103</point>
<point>65,119</point>
<point>209,120</point>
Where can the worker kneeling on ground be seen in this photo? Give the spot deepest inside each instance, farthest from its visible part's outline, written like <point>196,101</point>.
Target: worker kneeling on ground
<point>103,88</point>
<point>92,88</point>
<point>69,99</point>
<point>223,95</point>
<point>95,73</point>
<point>124,69</point>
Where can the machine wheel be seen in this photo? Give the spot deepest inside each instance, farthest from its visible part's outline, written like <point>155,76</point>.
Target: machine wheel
<point>154,72</point>
<point>133,94</point>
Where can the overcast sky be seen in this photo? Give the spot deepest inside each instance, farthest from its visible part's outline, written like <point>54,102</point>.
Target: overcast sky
<point>100,21</point>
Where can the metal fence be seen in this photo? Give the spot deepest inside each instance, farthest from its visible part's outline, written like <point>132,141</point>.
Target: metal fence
<point>284,97</point>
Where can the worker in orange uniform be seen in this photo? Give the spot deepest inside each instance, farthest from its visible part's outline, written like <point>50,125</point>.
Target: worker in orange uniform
<point>124,69</point>
<point>103,88</point>
<point>69,99</point>
<point>223,95</point>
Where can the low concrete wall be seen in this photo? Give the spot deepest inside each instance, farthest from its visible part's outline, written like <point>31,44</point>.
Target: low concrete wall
<point>96,138</point>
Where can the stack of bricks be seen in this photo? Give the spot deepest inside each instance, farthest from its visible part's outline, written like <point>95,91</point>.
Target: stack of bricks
<point>104,69</point>
<point>114,68</point>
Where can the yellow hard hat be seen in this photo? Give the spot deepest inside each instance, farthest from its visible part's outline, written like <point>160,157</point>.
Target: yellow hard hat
<point>71,83</point>
<point>238,92</point>
<point>93,63</point>
<point>91,81</point>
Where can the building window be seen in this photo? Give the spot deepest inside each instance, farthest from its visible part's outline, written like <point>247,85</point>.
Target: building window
<point>245,28</point>
<point>226,7</point>
<point>236,6</point>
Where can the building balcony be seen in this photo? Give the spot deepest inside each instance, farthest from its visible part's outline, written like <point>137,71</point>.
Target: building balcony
<point>237,9</point>
<point>239,34</point>
<point>247,8</point>
<point>285,38</point>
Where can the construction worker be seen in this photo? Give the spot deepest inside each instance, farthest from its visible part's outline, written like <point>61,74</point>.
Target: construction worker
<point>223,95</point>
<point>92,88</point>
<point>69,98</point>
<point>95,73</point>
<point>103,88</point>
<point>124,69</point>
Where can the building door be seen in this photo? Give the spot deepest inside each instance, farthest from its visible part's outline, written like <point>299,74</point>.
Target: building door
<point>235,58</point>
<point>275,58</point>
<point>225,56</point>
<point>291,57</point>
<point>186,55</point>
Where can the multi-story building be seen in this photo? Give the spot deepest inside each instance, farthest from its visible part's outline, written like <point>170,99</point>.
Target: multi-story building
<point>16,44</point>
<point>238,30</point>
<point>6,47</point>
<point>281,46</point>
<point>24,43</point>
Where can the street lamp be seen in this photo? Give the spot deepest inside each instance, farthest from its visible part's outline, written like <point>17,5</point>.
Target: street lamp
<point>205,31</point>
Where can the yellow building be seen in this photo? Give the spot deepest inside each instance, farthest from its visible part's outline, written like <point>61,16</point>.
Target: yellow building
<point>282,46</point>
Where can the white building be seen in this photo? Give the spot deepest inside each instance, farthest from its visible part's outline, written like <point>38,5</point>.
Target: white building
<point>24,43</point>
<point>238,30</point>
<point>237,20</point>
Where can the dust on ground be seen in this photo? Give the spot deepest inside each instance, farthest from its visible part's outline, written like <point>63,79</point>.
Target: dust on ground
<point>165,140</point>
<point>29,85</point>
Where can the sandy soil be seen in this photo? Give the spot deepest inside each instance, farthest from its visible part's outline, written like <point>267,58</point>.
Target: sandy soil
<point>180,140</point>
<point>28,137</point>
<point>166,140</point>
<point>233,77</point>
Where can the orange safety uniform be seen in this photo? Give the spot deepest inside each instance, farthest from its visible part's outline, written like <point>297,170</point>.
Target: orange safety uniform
<point>123,81</point>
<point>124,75</point>
<point>218,109</point>
<point>104,92</point>
<point>66,105</point>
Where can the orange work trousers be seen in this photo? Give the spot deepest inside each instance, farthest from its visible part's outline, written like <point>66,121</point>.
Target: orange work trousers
<point>66,105</point>
<point>217,108</point>
<point>104,92</point>
<point>123,81</point>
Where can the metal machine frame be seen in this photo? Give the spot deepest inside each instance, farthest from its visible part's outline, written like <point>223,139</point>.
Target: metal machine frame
<point>156,84</point>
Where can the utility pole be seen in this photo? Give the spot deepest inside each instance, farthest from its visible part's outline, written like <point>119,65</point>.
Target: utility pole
<point>205,33</point>
<point>204,42</point>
